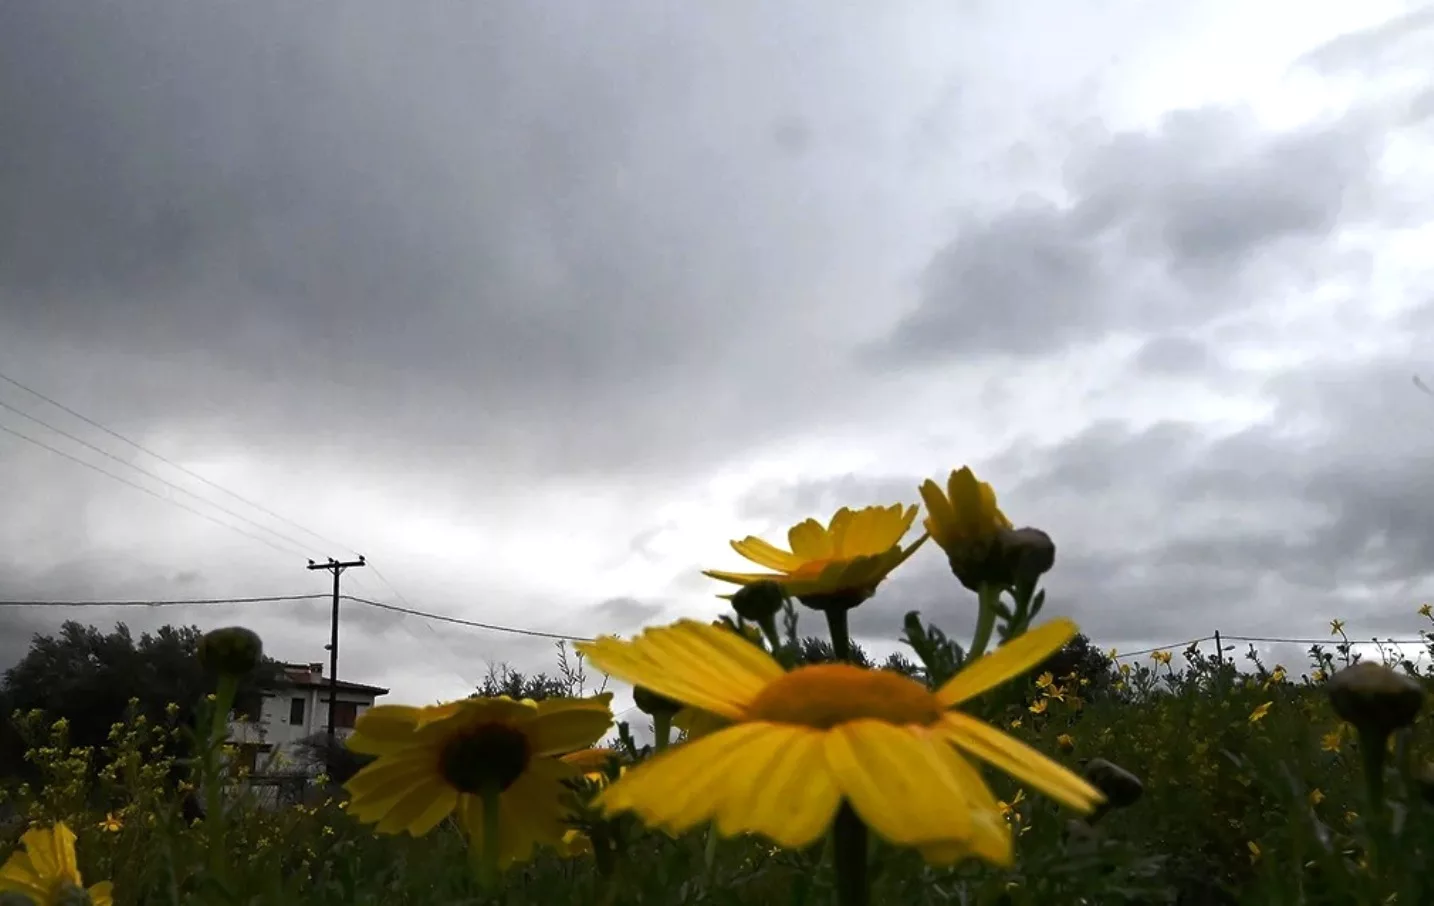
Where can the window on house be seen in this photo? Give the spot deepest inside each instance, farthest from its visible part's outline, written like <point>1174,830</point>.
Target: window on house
<point>345,713</point>
<point>296,711</point>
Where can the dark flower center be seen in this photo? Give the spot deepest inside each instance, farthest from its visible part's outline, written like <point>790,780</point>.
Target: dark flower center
<point>490,757</point>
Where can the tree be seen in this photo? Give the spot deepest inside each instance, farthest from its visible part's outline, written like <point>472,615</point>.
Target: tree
<point>89,677</point>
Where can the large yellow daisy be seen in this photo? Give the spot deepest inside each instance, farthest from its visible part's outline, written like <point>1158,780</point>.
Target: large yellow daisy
<point>850,555</point>
<point>799,743</point>
<point>44,869</point>
<point>442,759</point>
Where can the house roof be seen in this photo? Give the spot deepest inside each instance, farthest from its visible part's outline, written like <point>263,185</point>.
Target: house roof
<point>343,685</point>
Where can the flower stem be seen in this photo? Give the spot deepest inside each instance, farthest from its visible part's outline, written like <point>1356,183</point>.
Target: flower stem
<point>841,636</point>
<point>210,780</point>
<point>985,620</point>
<point>1371,752</point>
<point>488,843</point>
<point>662,729</point>
<point>849,857</point>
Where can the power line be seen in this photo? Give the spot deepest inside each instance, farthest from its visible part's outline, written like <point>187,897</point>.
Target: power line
<point>299,545</point>
<point>1255,638</point>
<point>172,464</point>
<point>155,494</point>
<point>536,633</point>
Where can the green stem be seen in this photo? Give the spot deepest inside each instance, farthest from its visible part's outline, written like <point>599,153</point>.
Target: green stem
<point>210,778</point>
<point>488,844</point>
<point>849,857</point>
<point>662,728</point>
<point>1371,751</point>
<point>985,621</point>
<point>709,854</point>
<point>841,636</point>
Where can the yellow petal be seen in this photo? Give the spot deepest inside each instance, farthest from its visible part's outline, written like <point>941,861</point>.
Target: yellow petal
<point>18,875</point>
<point>689,662</point>
<point>765,554</point>
<point>102,894</point>
<point>390,771</point>
<point>684,786</point>
<point>1006,662</point>
<point>782,788</point>
<point>942,522</point>
<point>587,760</point>
<point>52,851</point>
<point>743,578</point>
<point>899,782</point>
<point>419,809</point>
<point>562,727</point>
<point>1019,760</point>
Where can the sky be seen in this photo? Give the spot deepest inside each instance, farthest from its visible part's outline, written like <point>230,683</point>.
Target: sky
<point>538,306</point>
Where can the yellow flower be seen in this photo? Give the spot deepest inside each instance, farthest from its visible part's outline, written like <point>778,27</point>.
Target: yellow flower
<point>1044,681</point>
<point>1426,610</point>
<point>1319,675</point>
<point>965,514</point>
<point>848,557</point>
<point>1254,849</point>
<point>801,742</point>
<point>1336,627</point>
<point>1316,796</point>
<point>1008,809</point>
<point>1065,741</point>
<point>441,758</point>
<point>1160,657</point>
<point>112,823</point>
<point>1016,724</point>
<point>1038,706</point>
<point>45,869</point>
<point>1259,713</point>
<point>593,763</point>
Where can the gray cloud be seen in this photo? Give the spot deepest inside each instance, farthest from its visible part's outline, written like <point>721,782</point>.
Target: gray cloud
<point>1397,42</point>
<point>1165,230</point>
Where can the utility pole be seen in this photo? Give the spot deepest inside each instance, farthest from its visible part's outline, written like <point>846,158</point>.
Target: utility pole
<point>337,568</point>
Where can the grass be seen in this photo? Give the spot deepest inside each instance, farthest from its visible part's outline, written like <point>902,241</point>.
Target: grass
<point>1252,792</point>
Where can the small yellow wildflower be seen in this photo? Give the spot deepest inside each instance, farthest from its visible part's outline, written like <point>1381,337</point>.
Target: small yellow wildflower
<point>1336,627</point>
<point>112,823</point>
<point>1125,670</point>
<point>1160,657</point>
<point>1016,724</point>
<point>1254,849</point>
<point>1065,741</point>
<point>1316,796</point>
<point>1426,610</point>
<point>1038,706</point>
<point>1331,741</point>
<point>1319,675</point>
<point>1259,713</point>
<point>1044,681</point>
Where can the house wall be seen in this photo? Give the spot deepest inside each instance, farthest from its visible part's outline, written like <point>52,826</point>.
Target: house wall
<point>273,728</point>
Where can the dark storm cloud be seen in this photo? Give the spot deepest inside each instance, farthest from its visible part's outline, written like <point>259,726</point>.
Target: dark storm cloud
<point>1162,232</point>
<point>461,227</point>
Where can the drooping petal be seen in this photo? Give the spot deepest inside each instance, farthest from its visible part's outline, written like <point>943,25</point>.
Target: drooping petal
<point>689,662</point>
<point>1006,662</point>
<point>766,554</point>
<point>389,771</point>
<point>563,725</point>
<point>783,789</point>
<point>899,782</point>
<point>1019,760</point>
<point>420,808</point>
<point>684,786</point>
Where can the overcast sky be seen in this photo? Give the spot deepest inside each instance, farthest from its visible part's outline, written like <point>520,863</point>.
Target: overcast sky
<point>537,305</point>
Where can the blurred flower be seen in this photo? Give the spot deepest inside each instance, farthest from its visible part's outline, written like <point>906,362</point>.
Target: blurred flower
<point>1044,681</point>
<point>839,564</point>
<point>1038,706</point>
<point>112,823</point>
<point>1316,796</point>
<point>801,742</point>
<point>1259,713</point>
<point>1375,699</point>
<point>232,650</point>
<point>1426,610</point>
<point>1008,809</point>
<point>1160,657</point>
<point>1336,627</point>
<point>593,763</point>
<point>437,759</point>
<point>45,871</point>
<point>1066,741</point>
<point>1254,849</point>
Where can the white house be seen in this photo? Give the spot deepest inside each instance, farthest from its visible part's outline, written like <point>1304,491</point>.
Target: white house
<point>294,710</point>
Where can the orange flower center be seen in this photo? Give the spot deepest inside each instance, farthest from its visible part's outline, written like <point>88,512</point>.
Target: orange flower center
<point>826,695</point>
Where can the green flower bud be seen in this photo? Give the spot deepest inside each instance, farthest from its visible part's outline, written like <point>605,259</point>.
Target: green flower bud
<point>232,651</point>
<point>1375,699</point>
<point>1121,788</point>
<point>759,601</point>
<point>652,704</point>
<point>1026,554</point>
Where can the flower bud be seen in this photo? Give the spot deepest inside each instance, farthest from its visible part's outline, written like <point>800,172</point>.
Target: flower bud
<point>231,651</point>
<point>1026,554</point>
<point>1121,788</point>
<point>652,704</point>
<point>1374,698</point>
<point>759,601</point>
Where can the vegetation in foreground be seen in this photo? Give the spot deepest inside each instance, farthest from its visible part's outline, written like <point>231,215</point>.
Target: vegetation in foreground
<point>1219,785</point>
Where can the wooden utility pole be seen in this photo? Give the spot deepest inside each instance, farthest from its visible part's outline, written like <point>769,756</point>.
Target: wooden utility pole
<point>337,568</point>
